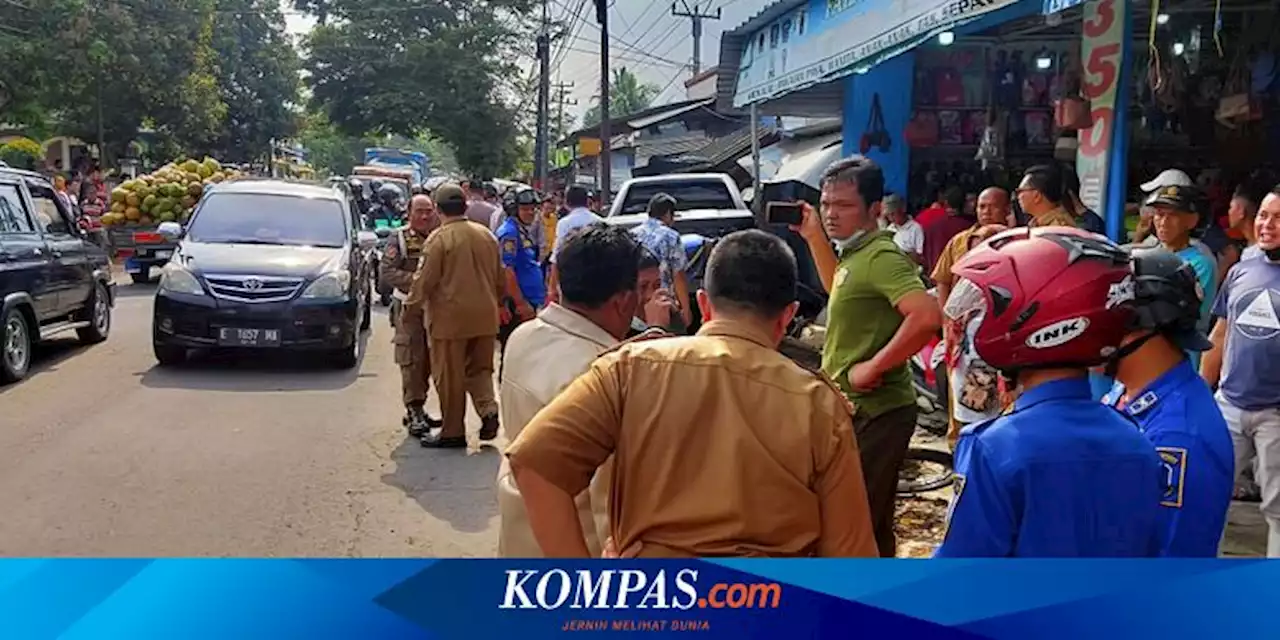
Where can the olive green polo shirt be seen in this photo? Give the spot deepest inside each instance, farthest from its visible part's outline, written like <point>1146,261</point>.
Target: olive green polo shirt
<point>862,316</point>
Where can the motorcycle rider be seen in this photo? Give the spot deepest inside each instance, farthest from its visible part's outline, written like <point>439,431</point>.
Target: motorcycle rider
<point>399,263</point>
<point>1060,475</point>
<point>1157,386</point>
<point>390,201</point>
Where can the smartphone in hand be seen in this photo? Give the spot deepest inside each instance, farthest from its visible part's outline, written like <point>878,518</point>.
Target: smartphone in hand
<point>788,213</point>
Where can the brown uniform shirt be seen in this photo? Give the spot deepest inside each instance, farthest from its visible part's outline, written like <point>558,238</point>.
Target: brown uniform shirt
<point>722,447</point>
<point>460,280</point>
<point>1056,218</point>
<point>956,247</point>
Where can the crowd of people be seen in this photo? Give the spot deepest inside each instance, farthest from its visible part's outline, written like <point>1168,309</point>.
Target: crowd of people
<point>1105,399</point>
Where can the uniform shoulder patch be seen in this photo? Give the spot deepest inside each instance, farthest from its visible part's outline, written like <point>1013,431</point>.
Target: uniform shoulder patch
<point>509,245</point>
<point>652,333</point>
<point>1173,461</point>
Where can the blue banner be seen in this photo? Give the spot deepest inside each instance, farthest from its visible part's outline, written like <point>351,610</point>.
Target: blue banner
<point>719,599</point>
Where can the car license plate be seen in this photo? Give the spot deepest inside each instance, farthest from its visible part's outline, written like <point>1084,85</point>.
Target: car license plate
<point>163,255</point>
<point>232,337</point>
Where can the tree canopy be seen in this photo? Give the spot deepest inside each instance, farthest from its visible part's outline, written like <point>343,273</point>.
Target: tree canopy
<point>204,75</point>
<point>408,66</point>
<point>627,95</point>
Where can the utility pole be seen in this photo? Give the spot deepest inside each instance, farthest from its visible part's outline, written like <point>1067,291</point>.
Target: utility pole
<point>562,100</point>
<point>606,168</point>
<point>541,144</point>
<point>694,12</point>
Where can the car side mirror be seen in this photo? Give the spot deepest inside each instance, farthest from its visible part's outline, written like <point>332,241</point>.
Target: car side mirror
<point>367,239</point>
<point>170,230</point>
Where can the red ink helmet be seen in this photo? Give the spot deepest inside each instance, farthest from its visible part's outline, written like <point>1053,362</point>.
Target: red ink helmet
<point>1047,297</point>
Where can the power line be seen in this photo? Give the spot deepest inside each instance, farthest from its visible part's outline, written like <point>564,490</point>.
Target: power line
<point>696,15</point>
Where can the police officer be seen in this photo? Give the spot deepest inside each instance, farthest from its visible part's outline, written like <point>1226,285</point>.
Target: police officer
<point>526,289</point>
<point>1060,475</point>
<point>1157,386</point>
<point>399,263</point>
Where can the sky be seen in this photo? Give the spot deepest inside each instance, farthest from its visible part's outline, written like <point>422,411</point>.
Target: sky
<point>647,39</point>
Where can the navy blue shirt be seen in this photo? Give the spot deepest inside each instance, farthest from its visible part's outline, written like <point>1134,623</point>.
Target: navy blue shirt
<point>1178,414</point>
<point>1060,476</point>
<point>520,253</point>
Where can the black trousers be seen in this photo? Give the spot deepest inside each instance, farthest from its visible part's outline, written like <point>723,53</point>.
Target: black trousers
<point>882,443</point>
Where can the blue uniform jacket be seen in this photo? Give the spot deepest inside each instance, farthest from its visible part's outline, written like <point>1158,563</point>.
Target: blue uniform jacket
<point>520,253</point>
<point>1178,414</point>
<point>1059,476</point>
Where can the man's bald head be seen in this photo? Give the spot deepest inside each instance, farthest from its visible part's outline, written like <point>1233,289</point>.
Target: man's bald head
<point>993,206</point>
<point>422,214</point>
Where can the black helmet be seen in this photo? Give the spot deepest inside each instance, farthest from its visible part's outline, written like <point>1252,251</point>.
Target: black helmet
<point>509,203</point>
<point>1166,297</point>
<point>525,196</point>
<point>375,185</point>
<point>390,195</point>
<point>417,190</point>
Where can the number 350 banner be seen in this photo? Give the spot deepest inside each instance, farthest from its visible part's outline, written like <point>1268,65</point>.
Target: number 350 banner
<point>736,599</point>
<point>1101,51</point>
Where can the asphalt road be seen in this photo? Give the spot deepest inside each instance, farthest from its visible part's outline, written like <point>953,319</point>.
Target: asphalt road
<point>102,453</point>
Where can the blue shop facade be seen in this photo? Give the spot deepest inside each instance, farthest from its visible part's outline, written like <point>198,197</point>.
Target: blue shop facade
<point>917,84</point>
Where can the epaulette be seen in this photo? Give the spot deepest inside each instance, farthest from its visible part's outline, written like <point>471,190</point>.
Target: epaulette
<point>835,388</point>
<point>652,333</point>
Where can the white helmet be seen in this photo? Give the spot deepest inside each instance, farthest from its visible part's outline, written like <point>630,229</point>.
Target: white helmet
<point>1168,178</point>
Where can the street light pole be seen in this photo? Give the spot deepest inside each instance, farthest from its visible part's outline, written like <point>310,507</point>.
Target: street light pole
<point>605,173</point>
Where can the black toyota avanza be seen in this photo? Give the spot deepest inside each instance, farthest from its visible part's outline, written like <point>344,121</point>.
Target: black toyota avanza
<point>265,265</point>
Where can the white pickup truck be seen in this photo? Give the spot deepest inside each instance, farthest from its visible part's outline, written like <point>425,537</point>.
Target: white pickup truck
<point>707,204</point>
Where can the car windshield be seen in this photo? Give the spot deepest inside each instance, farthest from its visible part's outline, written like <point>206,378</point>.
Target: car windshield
<point>259,218</point>
<point>689,194</point>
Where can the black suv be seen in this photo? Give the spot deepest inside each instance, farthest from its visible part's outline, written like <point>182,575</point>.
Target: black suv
<point>266,265</point>
<point>52,279</point>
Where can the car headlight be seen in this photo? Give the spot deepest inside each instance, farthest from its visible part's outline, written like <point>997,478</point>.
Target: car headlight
<point>175,279</point>
<point>329,285</point>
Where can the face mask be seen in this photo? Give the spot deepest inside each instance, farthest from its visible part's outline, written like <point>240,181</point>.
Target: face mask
<point>851,240</point>
<point>1272,254</point>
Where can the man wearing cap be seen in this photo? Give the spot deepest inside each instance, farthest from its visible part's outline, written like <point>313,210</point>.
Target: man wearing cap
<point>399,264</point>
<point>1175,215</point>
<point>461,282</point>
<point>526,291</point>
<point>1143,235</point>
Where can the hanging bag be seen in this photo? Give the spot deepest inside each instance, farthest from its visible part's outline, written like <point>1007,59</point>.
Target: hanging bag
<point>922,130</point>
<point>1072,112</point>
<point>876,136</point>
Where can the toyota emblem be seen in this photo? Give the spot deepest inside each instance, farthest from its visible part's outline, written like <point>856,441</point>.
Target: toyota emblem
<point>252,284</point>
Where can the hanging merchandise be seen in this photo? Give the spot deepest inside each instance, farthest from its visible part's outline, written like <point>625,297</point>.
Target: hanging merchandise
<point>922,130</point>
<point>990,146</point>
<point>950,87</point>
<point>1072,112</point>
<point>876,136</point>
<point>1233,107</point>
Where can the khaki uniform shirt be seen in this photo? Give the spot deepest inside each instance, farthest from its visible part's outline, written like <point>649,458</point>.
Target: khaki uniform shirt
<point>542,357</point>
<point>722,446</point>
<point>951,254</point>
<point>461,281</point>
<point>1056,218</point>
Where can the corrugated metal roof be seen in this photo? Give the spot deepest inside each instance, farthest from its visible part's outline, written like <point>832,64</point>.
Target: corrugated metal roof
<point>669,147</point>
<point>662,116</point>
<point>620,124</point>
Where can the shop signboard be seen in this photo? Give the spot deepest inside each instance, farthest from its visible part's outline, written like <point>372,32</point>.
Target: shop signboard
<point>1056,6</point>
<point>826,39</point>
<point>1102,34</point>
